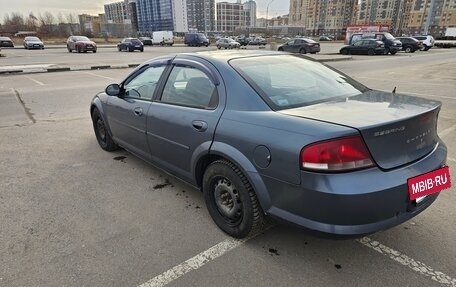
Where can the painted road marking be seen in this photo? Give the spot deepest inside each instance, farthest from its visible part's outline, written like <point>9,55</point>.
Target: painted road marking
<point>451,159</point>
<point>96,75</point>
<point>194,262</point>
<point>403,259</point>
<point>36,81</point>
<point>229,244</point>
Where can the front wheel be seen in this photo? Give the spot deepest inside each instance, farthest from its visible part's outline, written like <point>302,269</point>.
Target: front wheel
<point>69,49</point>
<point>393,52</point>
<point>231,200</point>
<point>101,132</point>
<point>344,52</point>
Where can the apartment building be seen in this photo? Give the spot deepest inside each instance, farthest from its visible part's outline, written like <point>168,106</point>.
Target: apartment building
<point>117,12</point>
<point>432,16</point>
<point>230,16</point>
<point>201,15</point>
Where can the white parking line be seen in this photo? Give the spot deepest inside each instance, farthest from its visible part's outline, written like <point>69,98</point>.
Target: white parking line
<point>194,262</point>
<point>96,75</point>
<point>403,259</point>
<point>451,159</point>
<point>33,80</point>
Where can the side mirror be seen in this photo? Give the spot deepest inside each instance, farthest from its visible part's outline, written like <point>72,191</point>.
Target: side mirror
<point>113,90</point>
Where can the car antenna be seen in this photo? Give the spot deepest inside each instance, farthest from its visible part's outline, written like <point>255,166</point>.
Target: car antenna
<point>394,90</point>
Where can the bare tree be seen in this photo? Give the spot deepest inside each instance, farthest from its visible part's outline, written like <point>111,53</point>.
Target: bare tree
<point>46,21</point>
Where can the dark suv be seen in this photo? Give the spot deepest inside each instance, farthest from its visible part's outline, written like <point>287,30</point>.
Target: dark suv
<point>392,45</point>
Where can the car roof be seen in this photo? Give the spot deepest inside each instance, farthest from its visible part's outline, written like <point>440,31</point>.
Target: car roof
<point>5,38</point>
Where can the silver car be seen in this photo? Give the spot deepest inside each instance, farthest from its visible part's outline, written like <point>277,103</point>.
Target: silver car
<point>227,43</point>
<point>32,42</point>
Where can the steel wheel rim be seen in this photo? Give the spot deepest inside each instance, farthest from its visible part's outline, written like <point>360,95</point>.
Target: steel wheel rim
<point>228,201</point>
<point>101,130</point>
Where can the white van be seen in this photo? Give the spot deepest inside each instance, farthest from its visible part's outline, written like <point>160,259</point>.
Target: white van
<point>162,38</point>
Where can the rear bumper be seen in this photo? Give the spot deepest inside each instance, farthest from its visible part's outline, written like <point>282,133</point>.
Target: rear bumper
<point>355,203</point>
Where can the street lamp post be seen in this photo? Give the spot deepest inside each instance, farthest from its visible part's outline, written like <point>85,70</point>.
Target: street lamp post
<point>267,11</point>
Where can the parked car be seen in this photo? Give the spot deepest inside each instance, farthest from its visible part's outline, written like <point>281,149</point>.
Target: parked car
<point>326,38</point>
<point>130,45</point>
<point>227,43</point>
<point>273,134</point>
<point>32,42</point>
<point>426,40</point>
<point>6,42</point>
<point>392,45</point>
<point>301,45</point>
<point>410,45</point>
<point>147,41</point>
<point>259,41</point>
<point>364,47</point>
<point>196,39</point>
<point>81,44</point>
<point>244,41</point>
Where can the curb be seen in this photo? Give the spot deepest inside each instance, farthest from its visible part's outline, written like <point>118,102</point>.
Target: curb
<point>120,66</point>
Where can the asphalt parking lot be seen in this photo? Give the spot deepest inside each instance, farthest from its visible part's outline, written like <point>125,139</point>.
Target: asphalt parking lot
<point>75,215</point>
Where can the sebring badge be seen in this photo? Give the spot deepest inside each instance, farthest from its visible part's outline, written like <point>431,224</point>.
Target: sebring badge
<point>390,131</point>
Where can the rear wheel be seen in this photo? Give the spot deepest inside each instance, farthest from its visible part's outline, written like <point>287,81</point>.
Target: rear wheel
<point>371,52</point>
<point>101,132</point>
<point>119,49</point>
<point>408,50</point>
<point>231,200</point>
<point>302,51</point>
<point>393,52</point>
<point>426,48</point>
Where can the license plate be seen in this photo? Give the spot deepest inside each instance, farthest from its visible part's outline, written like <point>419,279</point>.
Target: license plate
<point>423,185</point>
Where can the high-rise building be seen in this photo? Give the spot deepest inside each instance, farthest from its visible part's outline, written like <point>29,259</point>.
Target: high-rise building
<point>117,12</point>
<point>322,16</point>
<point>161,15</point>
<point>432,16</point>
<point>250,13</point>
<point>201,15</point>
<point>230,16</point>
<point>297,15</point>
<point>381,12</point>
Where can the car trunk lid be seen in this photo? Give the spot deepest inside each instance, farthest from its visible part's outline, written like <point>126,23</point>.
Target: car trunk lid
<point>397,129</point>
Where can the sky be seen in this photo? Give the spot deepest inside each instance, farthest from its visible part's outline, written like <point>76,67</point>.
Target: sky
<point>276,8</point>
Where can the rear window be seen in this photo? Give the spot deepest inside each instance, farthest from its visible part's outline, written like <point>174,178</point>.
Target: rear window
<point>135,41</point>
<point>286,81</point>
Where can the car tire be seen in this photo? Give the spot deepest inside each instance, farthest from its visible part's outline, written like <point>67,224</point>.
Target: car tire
<point>387,51</point>
<point>426,48</point>
<point>302,51</point>
<point>101,132</point>
<point>393,52</point>
<point>408,50</point>
<point>280,50</point>
<point>142,50</point>
<point>119,49</point>
<point>218,47</point>
<point>231,200</point>
<point>371,52</point>
<point>78,49</point>
<point>94,51</point>
<point>344,52</point>
<point>69,49</point>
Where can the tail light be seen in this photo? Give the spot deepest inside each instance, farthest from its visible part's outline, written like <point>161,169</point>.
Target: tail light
<point>309,45</point>
<point>336,155</point>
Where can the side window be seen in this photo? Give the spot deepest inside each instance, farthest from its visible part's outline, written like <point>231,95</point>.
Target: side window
<point>143,85</point>
<point>358,43</point>
<point>188,86</point>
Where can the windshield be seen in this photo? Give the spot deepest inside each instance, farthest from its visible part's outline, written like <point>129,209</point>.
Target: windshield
<point>202,36</point>
<point>389,36</point>
<point>288,81</point>
<point>81,38</point>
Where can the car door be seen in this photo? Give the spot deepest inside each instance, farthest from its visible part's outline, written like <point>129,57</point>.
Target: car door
<point>288,47</point>
<point>357,47</point>
<point>127,113</point>
<point>182,120</point>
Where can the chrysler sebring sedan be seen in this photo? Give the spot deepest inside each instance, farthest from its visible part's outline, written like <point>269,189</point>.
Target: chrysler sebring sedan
<point>268,134</point>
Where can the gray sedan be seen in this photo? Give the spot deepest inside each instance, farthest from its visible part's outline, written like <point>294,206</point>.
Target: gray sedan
<point>32,42</point>
<point>227,43</point>
<point>266,134</point>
